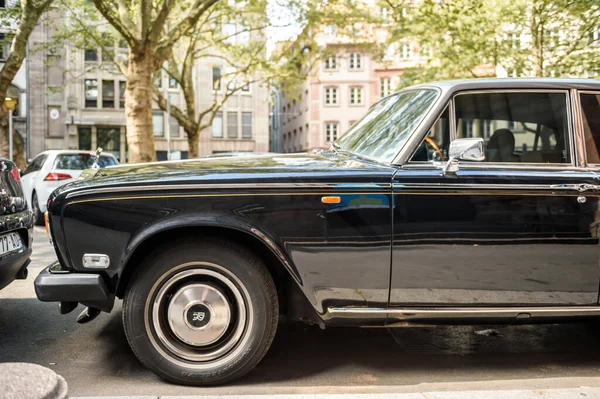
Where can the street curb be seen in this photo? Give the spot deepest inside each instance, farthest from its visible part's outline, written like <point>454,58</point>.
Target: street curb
<point>583,392</point>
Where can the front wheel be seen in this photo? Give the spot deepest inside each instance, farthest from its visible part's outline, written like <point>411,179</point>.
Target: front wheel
<point>201,312</point>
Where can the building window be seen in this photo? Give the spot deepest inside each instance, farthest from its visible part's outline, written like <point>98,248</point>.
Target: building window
<point>84,138</point>
<point>406,51</point>
<point>2,4</point>
<point>91,93</point>
<point>158,127</point>
<point>594,35</point>
<point>247,125</point>
<point>355,61</point>
<point>90,55</point>
<point>108,94</point>
<point>330,30</point>
<point>109,139</point>
<point>3,46</point>
<point>173,127</point>
<point>331,131</point>
<point>172,83</point>
<point>384,13</point>
<point>356,95</point>
<point>246,87</point>
<point>108,54</point>
<point>122,86</point>
<point>330,63</point>
<point>217,125</point>
<point>331,95</point>
<point>385,87</point>
<point>216,78</point>
<point>158,79</point>
<point>232,125</point>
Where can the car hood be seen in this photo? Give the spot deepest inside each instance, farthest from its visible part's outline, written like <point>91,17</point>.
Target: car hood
<point>266,168</point>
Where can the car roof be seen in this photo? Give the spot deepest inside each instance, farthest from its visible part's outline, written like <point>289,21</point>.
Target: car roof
<point>59,152</point>
<point>515,83</point>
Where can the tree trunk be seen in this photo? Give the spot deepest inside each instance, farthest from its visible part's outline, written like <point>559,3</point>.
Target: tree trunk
<point>192,143</point>
<point>138,105</point>
<point>18,156</point>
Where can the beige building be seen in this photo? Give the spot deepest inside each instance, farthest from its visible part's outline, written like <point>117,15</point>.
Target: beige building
<point>77,102</point>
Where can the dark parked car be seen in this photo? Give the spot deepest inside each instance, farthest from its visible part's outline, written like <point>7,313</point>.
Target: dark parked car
<point>16,226</point>
<point>453,202</point>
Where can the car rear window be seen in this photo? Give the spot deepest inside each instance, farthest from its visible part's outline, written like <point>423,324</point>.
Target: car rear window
<point>81,161</point>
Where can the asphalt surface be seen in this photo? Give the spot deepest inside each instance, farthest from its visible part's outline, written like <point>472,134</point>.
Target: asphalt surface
<point>95,359</point>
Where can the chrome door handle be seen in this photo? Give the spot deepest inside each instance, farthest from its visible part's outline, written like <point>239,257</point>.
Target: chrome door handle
<point>576,187</point>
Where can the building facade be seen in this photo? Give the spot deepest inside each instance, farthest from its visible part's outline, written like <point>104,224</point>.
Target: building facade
<point>77,102</point>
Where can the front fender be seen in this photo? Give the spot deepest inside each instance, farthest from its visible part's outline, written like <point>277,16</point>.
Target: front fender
<point>220,221</point>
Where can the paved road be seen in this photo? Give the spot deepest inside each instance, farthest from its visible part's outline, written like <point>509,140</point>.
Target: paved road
<point>96,360</point>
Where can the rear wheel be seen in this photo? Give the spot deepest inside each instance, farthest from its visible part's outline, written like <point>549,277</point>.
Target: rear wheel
<point>201,313</point>
<point>38,216</point>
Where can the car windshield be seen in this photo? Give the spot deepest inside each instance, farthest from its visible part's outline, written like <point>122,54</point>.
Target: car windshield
<point>385,128</point>
<point>81,161</point>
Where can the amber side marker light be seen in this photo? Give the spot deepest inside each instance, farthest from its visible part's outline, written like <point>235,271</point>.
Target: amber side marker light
<point>46,221</point>
<point>331,200</point>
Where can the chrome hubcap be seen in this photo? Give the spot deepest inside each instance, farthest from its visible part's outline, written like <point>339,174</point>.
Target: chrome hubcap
<point>199,314</point>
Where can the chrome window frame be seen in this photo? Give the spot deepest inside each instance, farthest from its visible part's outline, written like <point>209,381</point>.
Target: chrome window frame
<point>398,161</point>
<point>579,129</point>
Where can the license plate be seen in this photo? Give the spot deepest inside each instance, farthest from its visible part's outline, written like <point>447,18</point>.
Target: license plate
<point>10,243</point>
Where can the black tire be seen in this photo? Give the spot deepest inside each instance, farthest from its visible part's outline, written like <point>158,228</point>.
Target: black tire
<point>38,216</point>
<point>152,335</point>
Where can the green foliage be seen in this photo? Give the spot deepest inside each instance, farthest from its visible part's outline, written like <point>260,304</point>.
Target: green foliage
<point>470,38</point>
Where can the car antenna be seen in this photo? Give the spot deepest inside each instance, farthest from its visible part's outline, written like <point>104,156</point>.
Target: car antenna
<point>96,158</point>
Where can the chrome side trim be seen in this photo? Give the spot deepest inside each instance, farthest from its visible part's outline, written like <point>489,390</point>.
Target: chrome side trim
<point>228,186</point>
<point>504,187</point>
<point>407,314</point>
<point>495,166</point>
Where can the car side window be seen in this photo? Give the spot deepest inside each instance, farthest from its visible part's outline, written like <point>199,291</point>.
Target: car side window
<point>590,107</point>
<point>517,127</point>
<point>35,165</point>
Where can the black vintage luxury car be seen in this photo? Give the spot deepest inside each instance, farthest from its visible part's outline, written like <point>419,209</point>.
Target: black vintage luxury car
<point>453,202</point>
<point>16,225</point>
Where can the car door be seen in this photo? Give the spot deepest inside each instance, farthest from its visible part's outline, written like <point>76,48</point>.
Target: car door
<point>516,229</point>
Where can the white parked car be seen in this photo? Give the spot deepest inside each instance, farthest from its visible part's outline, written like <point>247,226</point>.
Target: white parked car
<point>52,169</point>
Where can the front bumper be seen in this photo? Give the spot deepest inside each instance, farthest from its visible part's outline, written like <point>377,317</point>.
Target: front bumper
<point>54,284</point>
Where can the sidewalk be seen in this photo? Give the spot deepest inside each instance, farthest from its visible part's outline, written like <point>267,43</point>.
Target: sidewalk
<point>583,392</point>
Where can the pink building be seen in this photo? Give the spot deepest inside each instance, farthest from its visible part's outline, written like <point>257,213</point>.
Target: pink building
<point>341,88</point>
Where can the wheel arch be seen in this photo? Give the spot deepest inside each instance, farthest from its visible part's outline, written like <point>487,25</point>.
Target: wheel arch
<point>287,279</point>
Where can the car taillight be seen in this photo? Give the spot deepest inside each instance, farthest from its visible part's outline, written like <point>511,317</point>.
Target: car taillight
<point>52,176</point>
<point>14,172</point>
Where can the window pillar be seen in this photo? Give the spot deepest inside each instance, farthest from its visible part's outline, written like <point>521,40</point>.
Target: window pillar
<point>94,139</point>
<point>123,146</point>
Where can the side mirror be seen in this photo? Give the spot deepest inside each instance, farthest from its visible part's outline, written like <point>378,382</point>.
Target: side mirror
<point>464,150</point>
